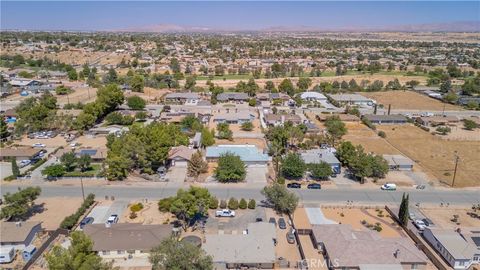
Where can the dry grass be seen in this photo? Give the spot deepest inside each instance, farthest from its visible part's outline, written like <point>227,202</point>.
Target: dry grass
<point>442,217</point>
<point>260,143</point>
<point>371,142</point>
<point>437,155</point>
<point>409,100</point>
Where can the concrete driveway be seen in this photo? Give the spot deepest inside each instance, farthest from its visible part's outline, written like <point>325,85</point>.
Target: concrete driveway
<point>177,174</point>
<point>256,174</point>
<point>5,169</point>
<point>101,213</point>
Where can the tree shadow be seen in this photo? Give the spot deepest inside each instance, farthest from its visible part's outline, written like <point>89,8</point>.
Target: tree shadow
<point>35,209</point>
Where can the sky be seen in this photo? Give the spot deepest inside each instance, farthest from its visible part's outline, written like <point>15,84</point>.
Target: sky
<point>234,15</point>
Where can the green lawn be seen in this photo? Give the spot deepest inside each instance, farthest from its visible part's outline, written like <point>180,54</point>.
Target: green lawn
<point>94,170</point>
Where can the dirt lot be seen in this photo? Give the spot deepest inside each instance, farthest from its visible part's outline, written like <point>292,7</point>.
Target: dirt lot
<point>409,100</point>
<point>80,94</point>
<point>437,156</point>
<point>148,215</point>
<point>459,133</point>
<point>88,141</point>
<point>355,216</point>
<point>371,142</point>
<point>260,143</point>
<point>441,217</point>
<point>149,93</point>
<point>50,143</point>
<point>51,211</point>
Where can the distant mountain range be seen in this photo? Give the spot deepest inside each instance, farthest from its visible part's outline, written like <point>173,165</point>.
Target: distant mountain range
<point>465,26</point>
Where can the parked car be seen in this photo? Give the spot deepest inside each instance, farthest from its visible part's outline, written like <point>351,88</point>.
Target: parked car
<point>282,224</point>
<point>389,186</point>
<point>85,221</point>
<point>273,221</point>
<point>258,219</point>
<point>112,219</point>
<point>294,185</point>
<point>411,216</point>
<point>38,145</point>
<point>428,222</point>
<point>225,213</point>
<point>24,163</point>
<point>290,237</point>
<point>419,224</point>
<point>314,186</point>
<point>334,175</point>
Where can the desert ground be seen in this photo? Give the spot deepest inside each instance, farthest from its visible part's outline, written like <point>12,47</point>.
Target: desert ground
<point>360,134</point>
<point>409,100</point>
<point>436,155</point>
<point>51,211</point>
<point>442,217</point>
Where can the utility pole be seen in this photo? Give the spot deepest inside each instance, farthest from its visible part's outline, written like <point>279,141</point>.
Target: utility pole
<point>457,158</point>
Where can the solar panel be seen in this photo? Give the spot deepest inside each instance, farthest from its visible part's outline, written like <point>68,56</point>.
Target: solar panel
<point>90,152</point>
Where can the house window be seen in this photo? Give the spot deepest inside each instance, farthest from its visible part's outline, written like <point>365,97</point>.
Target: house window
<point>105,252</point>
<point>476,258</point>
<point>131,251</point>
<point>414,266</point>
<point>120,252</point>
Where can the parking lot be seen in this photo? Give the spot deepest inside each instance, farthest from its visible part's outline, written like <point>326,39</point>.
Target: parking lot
<point>103,210</point>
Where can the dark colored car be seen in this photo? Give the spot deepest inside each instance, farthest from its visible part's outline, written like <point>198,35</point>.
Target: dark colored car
<point>427,222</point>
<point>259,219</point>
<point>314,186</point>
<point>334,175</point>
<point>282,224</point>
<point>85,221</point>
<point>294,185</point>
<point>273,221</point>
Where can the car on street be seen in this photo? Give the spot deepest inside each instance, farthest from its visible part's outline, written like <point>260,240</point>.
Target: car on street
<point>112,219</point>
<point>282,224</point>
<point>294,185</point>
<point>85,221</point>
<point>314,186</point>
<point>419,224</point>
<point>428,222</point>
<point>290,237</point>
<point>273,221</point>
<point>225,213</point>
<point>389,186</point>
<point>38,145</point>
<point>24,163</point>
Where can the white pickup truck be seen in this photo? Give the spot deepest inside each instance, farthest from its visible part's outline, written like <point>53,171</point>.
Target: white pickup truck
<point>225,213</point>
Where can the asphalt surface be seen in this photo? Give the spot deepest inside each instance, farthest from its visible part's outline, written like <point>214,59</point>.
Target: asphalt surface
<point>307,197</point>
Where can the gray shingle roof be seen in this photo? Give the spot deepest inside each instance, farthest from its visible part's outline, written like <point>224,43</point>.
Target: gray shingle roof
<point>232,96</point>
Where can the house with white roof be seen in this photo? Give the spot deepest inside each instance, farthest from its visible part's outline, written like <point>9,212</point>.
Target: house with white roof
<point>313,96</point>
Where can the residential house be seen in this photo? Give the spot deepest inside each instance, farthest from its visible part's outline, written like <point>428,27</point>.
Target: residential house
<point>18,153</point>
<point>437,120</point>
<point>126,240</point>
<point>112,129</point>
<point>183,98</point>
<point>96,154</point>
<point>464,100</point>
<point>391,119</point>
<point>352,99</point>
<point>21,83</point>
<point>254,249</point>
<point>312,128</point>
<point>343,117</point>
<point>18,234</point>
<point>238,117</point>
<point>280,119</point>
<point>180,156</point>
<point>460,248</point>
<point>232,96</point>
<point>346,248</point>
<point>249,154</point>
<point>316,156</point>
<point>313,96</point>
<point>399,162</point>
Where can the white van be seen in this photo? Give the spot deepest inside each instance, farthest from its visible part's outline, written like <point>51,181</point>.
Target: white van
<point>388,186</point>
<point>7,254</point>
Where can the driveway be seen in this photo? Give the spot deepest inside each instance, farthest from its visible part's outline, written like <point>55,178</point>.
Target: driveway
<point>101,213</point>
<point>5,169</point>
<point>177,174</point>
<point>237,224</point>
<point>256,174</point>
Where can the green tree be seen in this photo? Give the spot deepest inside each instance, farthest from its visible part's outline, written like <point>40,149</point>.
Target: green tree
<point>403,211</point>
<point>252,102</point>
<point>69,161</point>
<point>72,75</point>
<point>270,86</point>
<point>230,168</point>
<point>282,200</point>
<point>247,126</point>
<point>286,86</point>
<point>208,137</point>
<point>141,116</point>
<point>213,203</point>
<point>111,76</point>
<point>136,103</point>
<point>293,166</point>
<point>189,204</point>
<point>190,82</point>
<point>242,204</point>
<point>62,90</point>
<point>197,165</point>
<point>79,255</point>
<point>137,83</point>
<point>179,255</point>
<point>3,128</point>
<point>233,204</point>
<point>320,170</point>
<point>55,170</point>
<point>446,86</point>
<point>469,124</point>
<point>84,162</point>
<point>443,130</point>
<point>15,169</point>
<point>304,83</point>
<point>252,204</point>
<point>450,97</point>
<point>224,131</point>
<point>335,128</point>
<point>18,204</point>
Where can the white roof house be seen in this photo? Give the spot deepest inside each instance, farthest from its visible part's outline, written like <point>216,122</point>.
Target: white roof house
<point>313,96</point>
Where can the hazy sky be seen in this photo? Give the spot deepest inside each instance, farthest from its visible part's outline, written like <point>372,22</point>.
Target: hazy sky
<point>112,15</point>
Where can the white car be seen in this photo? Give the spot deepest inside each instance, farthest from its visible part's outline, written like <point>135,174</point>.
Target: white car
<point>420,224</point>
<point>38,145</point>
<point>225,213</point>
<point>389,187</point>
<point>112,219</point>
<point>24,163</point>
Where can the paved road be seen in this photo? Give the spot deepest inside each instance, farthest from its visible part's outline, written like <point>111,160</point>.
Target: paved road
<point>332,196</point>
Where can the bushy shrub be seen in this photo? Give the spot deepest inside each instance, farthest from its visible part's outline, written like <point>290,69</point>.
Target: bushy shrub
<point>164,204</point>
<point>233,204</point>
<point>223,204</point>
<point>133,215</point>
<point>70,221</point>
<point>242,204</point>
<point>213,203</point>
<point>281,180</point>
<point>252,204</point>
<point>382,134</point>
<point>136,207</point>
